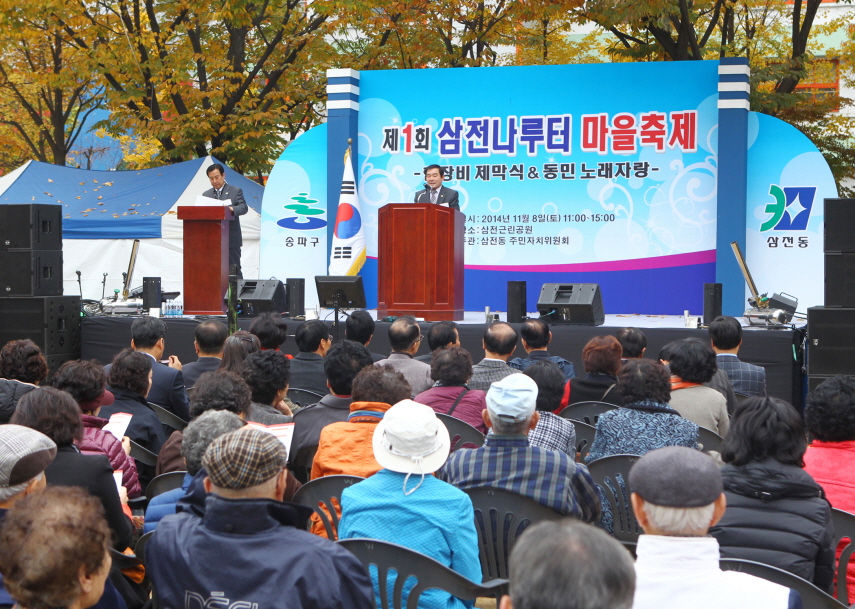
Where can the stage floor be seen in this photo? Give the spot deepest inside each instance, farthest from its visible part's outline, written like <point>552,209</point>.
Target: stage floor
<point>777,350</point>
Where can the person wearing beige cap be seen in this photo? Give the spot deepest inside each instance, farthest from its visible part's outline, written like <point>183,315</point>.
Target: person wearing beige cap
<point>508,461</point>
<point>405,504</point>
<point>250,548</point>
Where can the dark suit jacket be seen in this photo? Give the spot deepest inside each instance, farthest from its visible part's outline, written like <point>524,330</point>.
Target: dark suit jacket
<point>239,206</point>
<point>307,372</point>
<point>194,370</point>
<point>447,196</point>
<point>167,389</point>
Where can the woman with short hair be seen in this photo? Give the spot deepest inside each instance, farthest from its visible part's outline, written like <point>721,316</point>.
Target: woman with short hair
<point>22,367</point>
<point>451,368</point>
<point>237,347</point>
<point>601,358</point>
<point>693,363</point>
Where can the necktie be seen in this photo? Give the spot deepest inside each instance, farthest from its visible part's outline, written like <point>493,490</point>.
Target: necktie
<point>218,193</point>
<point>433,194</point>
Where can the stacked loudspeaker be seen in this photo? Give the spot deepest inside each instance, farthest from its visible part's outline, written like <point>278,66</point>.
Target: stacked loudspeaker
<point>831,329</point>
<point>31,301</point>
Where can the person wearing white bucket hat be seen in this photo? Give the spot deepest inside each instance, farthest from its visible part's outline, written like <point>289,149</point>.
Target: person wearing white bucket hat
<point>405,504</point>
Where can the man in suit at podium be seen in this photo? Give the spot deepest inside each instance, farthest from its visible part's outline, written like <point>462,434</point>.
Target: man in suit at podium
<point>221,190</point>
<point>435,192</point>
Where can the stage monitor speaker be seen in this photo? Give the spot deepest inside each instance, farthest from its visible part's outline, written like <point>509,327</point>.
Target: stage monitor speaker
<point>712,302</point>
<point>571,303</point>
<point>257,296</point>
<point>516,302</point>
<point>831,341</point>
<point>31,273</point>
<point>151,295</point>
<point>52,322</point>
<point>839,224</point>
<point>295,294</point>
<point>840,279</point>
<point>30,227</point>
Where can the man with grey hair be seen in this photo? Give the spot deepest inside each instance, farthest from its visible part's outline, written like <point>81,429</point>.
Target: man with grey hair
<point>586,569</point>
<point>507,460</point>
<point>405,337</point>
<point>677,495</point>
<point>255,549</point>
<point>198,435</point>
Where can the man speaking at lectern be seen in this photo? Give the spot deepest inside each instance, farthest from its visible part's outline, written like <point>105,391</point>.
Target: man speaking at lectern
<point>221,191</point>
<point>435,192</point>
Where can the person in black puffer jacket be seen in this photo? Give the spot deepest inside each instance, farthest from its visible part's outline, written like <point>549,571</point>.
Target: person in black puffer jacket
<point>22,367</point>
<point>776,513</point>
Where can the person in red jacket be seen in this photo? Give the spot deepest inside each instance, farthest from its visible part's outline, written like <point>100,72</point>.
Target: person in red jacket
<point>451,368</point>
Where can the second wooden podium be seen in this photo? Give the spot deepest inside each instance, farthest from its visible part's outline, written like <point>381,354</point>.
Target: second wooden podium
<point>420,261</point>
<point>206,257</point>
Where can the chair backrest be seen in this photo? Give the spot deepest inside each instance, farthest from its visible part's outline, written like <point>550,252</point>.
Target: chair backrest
<point>303,397</point>
<point>584,438</point>
<point>812,597</point>
<point>167,418</point>
<point>318,494</point>
<point>408,565</point>
<point>844,527</point>
<point>587,412</point>
<point>124,561</point>
<point>163,483</point>
<point>709,440</point>
<point>500,518</point>
<point>143,455</point>
<point>139,549</point>
<point>611,475</point>
<point>461,432</point>
<point>301,463</point>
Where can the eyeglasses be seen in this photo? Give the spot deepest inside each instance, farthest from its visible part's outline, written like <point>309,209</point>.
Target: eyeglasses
<point>420,338</point>
<point>329,337</point>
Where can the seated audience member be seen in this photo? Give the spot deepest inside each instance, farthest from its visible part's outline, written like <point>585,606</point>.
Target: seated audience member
<point>720,381</point>
<point>55,414</point>
<point>508,461</point>
<point>693,364</point>
<point>677,496</point>
<point>633,343</point>
<point>359,328</point>
<point>197,436</point>
<point>307,368</point>
<point>210,338</point>
<point>22,368</point>
<point>776,513</point>
<point>830,459</point>
<point>265,553</point>
<point>536,337</point>
<point>345,447</point>
<point>552,432</point>
<point>726,338</point>
<point>341,365</point>
<point>130,380</point>
<point>645,422</point>
<point>267,373</point>
<point>499,342</point>
<point>405,504</point>
<point>86,382</point>
<point>271,330</point>
<point>220,390</point>
<point>74,572</point>
<point>167,384</point>
<point>451,369</point>
<point>586,569</point>
<point>405,338</point>
<point>601,358</point>
<point>441,335</point>
<point>237,347</point>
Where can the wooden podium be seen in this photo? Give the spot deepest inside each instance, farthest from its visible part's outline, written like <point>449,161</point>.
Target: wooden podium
<point>206,257</point>
<point>420,261</point>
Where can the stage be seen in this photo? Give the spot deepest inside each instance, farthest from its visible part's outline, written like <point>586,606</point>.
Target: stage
<point>779,351</point>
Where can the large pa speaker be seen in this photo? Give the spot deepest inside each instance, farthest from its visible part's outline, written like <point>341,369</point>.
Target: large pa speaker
<point>31,273</point>
<point>52,322</point>
<point>839,223</point>
<point>571,303</point>
<point>831,341</point>
<point>257,296</point>
<point>840,279</point>
<point>30,227</point>
<point>516,302</point>
<point>295,293</point>
<point>712,302</point>
<point>152,297</point>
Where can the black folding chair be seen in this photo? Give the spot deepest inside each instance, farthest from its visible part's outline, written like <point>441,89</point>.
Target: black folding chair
<point>409,565</point>
<point>167,418</point>
<point>301,463</point>
<point>303,397</point>
<point>461,432</point>
<point>812,597</point>
<point>709,440</point>
<point>318,494</point>
<point>139,549</point>
<point>584,439</point>
<point>143,455</point>
<point>611,475</point>
<point>587,412</point>
<point>844,528</point>
<point>164,483</point>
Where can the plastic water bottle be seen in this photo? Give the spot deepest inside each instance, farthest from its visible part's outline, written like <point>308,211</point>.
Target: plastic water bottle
<point>179,309</point>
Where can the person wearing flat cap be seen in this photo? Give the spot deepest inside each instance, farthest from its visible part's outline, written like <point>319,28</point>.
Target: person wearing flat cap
<point>250,549</point>
<point>406,505</point>
<point>508,461</point>
<point>677,495</point>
